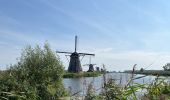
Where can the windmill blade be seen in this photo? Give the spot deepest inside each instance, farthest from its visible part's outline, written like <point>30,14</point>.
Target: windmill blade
<point>67,58</point>
<point>86,54</point>
<point>63,52</point>
<point>75,43</point>
<point>82,57</point>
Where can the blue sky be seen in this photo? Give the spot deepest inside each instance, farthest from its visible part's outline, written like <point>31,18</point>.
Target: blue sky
<point>120,32</point>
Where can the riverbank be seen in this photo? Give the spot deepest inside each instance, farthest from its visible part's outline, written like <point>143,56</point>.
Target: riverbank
<point>81,74</point>
<point>150,72</point>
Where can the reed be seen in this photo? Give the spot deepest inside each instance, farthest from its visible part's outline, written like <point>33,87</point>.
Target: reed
<point>158,89</point>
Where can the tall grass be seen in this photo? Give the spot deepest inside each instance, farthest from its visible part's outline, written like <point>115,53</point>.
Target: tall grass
<point>158,89</point>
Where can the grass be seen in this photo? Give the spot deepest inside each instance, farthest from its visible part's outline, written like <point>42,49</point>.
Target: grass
<point>81,74</point>
<point>158,89</point>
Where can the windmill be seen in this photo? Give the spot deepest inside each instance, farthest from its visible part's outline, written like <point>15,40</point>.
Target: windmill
<point>74,64</point>
<point>91,68</point>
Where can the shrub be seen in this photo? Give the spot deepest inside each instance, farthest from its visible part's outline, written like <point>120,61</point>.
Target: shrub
<point>37,75</point>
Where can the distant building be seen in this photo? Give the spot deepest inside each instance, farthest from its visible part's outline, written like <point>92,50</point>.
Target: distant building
<point>97,69</point>
<point>91,68</point>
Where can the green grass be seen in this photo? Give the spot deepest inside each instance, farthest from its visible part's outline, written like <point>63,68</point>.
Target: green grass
<point>81,74</point>
<point>158,89</point>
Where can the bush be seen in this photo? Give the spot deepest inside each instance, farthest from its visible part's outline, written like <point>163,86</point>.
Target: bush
<point>37,76</point>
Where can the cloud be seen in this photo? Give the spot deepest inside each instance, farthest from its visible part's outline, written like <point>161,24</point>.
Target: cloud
<point>125,60</point>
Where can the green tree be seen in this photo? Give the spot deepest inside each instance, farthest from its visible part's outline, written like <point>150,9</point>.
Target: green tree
<point>166,67</point>
<point>141,70</point>
<point>38,74</point>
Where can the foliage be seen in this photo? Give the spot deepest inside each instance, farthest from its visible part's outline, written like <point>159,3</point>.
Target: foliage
<point>151,72</point>
<point>37,76</point>
<point>141,70</point>
<point>82,74</point>
<point>159,89</point>
<point>111,90</point>
<point>166,67</point>
<point>90,95</point>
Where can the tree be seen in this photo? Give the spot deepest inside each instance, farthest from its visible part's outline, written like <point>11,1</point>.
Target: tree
<point>38,74</point>
<point>166,67</point>
<point>141,70</point>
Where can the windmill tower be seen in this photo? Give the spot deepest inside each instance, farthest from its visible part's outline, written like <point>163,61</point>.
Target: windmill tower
<point>91,68</point>
<point>75,64</point>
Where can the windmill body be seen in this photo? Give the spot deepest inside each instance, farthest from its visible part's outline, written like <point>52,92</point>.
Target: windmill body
<point>91,66</point>
<point>75,64</point>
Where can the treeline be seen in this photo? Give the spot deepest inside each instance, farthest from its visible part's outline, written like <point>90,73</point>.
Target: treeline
<point>150,72</point>
<point>82,74</point>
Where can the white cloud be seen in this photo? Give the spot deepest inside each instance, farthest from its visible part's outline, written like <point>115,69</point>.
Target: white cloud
<point>126,60</point>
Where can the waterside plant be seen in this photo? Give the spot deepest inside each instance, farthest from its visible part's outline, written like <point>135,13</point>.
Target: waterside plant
<point>158,89</point>
<point>37,76</point>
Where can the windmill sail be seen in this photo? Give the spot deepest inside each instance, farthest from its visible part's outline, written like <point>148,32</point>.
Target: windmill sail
<point>75,43</point>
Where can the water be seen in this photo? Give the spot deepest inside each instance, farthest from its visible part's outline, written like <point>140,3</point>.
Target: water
<point>79,85</point>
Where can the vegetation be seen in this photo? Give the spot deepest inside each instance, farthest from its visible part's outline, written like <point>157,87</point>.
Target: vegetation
<point>151,72</point>
<point>164,72</point>
<point>90,95</point>
<point>157,90</point>
<point>81,74</point>
<point>166,67</point>
<point>37,76</point>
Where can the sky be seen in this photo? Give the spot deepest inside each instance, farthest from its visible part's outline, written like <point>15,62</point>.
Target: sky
<point>120,33</point>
